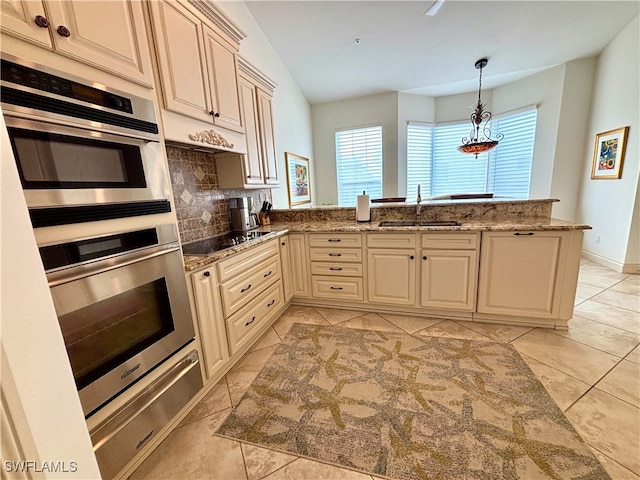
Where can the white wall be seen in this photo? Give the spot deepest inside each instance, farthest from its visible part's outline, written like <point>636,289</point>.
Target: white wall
<point>291,111</point>
<point>43,388</point>
<point>608,205</point>
<point>372,110</point>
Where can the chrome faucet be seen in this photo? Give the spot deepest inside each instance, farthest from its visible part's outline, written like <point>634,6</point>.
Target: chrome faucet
<point>418,200</point>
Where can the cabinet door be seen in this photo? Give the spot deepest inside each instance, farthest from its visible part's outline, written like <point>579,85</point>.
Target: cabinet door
<point>391,276</point>
<point>222,67</point>
<point>109,35</point>
<point>519,273</point>
<point>18,19</point>
<point>178,34</point>
<point>285,258</point>
<point>299,265</point>
<point>267,142</point>
<point>253,158</point>
<point>448,279</point>
<point>210,320</point>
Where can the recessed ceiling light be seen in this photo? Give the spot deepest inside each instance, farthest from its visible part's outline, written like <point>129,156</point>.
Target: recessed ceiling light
<point>433,9</point>
<point>357,41</point>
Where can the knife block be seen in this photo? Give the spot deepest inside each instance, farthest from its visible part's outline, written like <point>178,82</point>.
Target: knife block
<point>264,218</point>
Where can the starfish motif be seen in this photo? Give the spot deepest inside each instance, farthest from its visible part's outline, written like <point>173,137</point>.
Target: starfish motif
<point>389,355</point>
<point>331,365</point>
<point>332,401</point>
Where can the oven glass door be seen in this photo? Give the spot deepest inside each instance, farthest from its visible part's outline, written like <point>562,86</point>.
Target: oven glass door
<point>119,322</point>
<point>62,165</point>
<point>50,160</point>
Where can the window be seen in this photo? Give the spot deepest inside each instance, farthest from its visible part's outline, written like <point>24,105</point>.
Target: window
<point>441,169</point>
<point>359,163</point>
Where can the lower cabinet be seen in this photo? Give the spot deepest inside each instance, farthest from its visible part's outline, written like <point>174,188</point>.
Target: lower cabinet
<point>213,335</point>
<point>448,271</point>
<point>299,265</point>
<point>523,273</point>
<point>285,260</point>
<point>391,276</point>
<point>235,300</point>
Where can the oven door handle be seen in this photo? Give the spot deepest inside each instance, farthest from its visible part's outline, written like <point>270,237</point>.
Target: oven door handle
<point>101,266</point>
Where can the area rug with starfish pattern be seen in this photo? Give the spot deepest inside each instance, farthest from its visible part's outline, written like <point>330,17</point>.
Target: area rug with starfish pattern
<point>409,407</point>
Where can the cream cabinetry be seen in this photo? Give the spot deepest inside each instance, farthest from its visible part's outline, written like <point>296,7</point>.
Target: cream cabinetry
<point>108,35</point>
<point>285,260</point>
<point>213,336</point>
<point>448,270</point>
<point>300,278</point>
<point>529,274</point>
<point>235,300</point>
<point>391,266</point>
<point>258,168</point>
<point>197,66</point>
<point>336,266</point>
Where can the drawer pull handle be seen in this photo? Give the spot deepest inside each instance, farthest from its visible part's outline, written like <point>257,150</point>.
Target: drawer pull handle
<point>335,268</point>
<point>334,240</point>
<point>250,322</point>
<point>267,274</point>
<point>336,288</point>
<point>335,254</point>
<point>245,289</point>
<point>529,233</point>
<point>271,302</point>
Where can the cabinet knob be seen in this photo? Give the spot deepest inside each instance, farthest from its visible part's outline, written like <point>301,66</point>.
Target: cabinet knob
<point>283,244</point>
<point>424,257</point>
<point>214,114</point>
<point>206,274</point>
<point>411,257</point>
<point>41,21</point>
<point>63,31</point>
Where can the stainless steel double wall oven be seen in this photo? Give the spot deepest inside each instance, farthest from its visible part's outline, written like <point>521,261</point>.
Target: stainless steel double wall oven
<point>89,153</point>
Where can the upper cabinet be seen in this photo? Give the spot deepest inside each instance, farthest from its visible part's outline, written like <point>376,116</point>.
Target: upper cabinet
<point>108,35</point>
<point>197,50</point>
<point>198,67</point>
<point>258,168</point>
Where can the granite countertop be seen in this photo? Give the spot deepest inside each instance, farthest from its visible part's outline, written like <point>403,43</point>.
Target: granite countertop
<point>193,262</point>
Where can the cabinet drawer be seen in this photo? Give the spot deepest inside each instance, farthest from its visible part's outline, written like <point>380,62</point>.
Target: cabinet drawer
<point>235,265</point>
<point>335,239</point>
<point>259,311</point>
<point>337,287</point>
<point>328,254</point>
<point>238,291</point>
<point>336,269</point>
<point>450,241</point>
<point>391,240</point>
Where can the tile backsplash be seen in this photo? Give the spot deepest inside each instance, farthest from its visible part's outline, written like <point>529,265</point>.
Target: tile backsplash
<point>201,206</point>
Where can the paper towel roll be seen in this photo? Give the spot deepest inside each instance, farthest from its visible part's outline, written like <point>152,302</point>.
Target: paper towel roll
<point>363,212</point>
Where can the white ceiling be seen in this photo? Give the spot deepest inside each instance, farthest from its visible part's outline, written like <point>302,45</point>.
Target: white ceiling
<point>403,50</point>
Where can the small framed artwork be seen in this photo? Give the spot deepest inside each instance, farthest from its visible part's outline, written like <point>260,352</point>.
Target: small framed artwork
<point>298,179</point>
<point>608,154</point>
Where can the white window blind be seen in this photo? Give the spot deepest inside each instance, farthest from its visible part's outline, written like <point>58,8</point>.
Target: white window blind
<point>510,161</point>
<point>419,148</point>
<point>455,172</point>
<point>359,163</point>
<point>504,171</point>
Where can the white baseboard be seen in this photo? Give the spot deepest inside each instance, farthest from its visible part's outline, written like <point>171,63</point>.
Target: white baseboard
<point>612,264</point>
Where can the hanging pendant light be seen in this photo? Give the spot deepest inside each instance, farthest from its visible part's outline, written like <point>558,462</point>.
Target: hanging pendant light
<point>480,138</point>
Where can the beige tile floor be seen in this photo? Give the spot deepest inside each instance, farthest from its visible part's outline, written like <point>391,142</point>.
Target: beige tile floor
<point>592,371</point>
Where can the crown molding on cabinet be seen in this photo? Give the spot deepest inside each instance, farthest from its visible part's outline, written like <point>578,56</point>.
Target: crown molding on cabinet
<point>215,15</point>
<point>265,82</point>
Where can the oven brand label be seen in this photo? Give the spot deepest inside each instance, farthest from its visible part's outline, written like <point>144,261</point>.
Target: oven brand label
<point>144,439</point>
<point>130,371</point>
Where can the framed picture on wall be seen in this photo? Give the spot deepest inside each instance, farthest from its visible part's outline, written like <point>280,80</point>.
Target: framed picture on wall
<point>298,181</point>
<point>608,154</point>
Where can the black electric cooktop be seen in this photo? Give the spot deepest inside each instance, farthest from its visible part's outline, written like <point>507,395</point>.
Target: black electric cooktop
<point>215,244</point>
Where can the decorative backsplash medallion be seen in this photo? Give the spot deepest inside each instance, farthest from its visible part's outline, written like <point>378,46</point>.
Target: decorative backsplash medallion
<point>201,207</point>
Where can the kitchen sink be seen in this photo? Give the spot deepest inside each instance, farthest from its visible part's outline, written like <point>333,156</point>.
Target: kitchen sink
<point>409,223</point>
